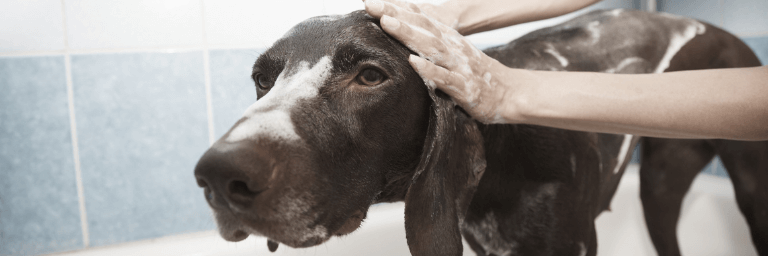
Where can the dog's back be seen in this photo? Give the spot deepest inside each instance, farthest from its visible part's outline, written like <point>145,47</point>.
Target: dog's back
<point>541,192</point>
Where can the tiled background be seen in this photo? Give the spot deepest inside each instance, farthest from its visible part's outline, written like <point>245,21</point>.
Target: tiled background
<point>106,105</point>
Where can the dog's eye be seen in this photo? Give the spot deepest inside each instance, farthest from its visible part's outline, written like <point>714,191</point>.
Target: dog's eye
<point>370,77</point>
<point>262,82</point>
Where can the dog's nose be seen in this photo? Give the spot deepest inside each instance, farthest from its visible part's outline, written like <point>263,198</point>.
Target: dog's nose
<point>233,177</point>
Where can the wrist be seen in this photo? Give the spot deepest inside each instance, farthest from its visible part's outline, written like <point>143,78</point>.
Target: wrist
<point>456,12</point>
<point>516,93</point>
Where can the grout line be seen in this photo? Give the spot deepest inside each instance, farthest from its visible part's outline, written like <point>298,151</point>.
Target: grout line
<point>164,49</point>
<point>652,6</point>
<point>208,98</point>
<point>73,132</point>
<point>207,74</point>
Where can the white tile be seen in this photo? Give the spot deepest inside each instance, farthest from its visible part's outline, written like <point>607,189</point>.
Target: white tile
<point>347,6</point>
<point>97,24</point>
<point>34,25</point>
<point>342,6</point>
<point>746,17</point>
<point>254,23</point>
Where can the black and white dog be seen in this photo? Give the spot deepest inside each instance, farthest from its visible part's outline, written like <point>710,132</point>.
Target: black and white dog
<point>343,122</point>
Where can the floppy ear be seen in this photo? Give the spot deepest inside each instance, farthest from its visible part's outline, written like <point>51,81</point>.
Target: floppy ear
<point>452,163</point>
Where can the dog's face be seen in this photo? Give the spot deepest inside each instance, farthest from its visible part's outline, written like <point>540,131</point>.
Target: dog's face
<point>340,123</point>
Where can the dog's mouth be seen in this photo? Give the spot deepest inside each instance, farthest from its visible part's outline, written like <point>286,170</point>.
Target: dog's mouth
<point>276,234</point>
<point>234,236</point>
<point>235,229</point>
<point>351,224</point>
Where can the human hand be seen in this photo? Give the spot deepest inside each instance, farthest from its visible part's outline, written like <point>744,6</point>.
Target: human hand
<point>446,15</point>
<point>448,61</point>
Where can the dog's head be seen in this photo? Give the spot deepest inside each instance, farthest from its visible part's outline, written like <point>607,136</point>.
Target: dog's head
<point>341,122</point>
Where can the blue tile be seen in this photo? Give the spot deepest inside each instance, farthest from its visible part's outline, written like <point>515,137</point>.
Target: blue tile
<point>640,4</point>
<point>636,155</point>
<point>718,168</point>
<point>709,168</point>
<point>760,46</point>
<point>613,4</point>
<point>744,17</point>
<point>142,125</point>
<point>232,89</point>
<point>715,167</point>
<point>39,210</point>
<point>705,10</point>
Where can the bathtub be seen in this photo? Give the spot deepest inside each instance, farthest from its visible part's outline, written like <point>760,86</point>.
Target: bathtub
<point>710,224</point>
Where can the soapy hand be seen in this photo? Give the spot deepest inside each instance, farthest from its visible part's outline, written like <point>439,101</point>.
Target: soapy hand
<point>447,61</point>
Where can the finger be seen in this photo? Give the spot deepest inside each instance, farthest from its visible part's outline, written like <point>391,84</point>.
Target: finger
<point>417,40</point>
<point>437,77</point>
<point>410,15</point>
<point>375,8</point>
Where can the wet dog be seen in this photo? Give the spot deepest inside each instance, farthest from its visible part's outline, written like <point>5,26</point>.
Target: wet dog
<point>343,122</point>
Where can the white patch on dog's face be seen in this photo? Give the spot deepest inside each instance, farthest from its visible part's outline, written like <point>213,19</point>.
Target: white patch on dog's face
<point>293,212</point>
<point>270,116</point>
<point>294,208</point>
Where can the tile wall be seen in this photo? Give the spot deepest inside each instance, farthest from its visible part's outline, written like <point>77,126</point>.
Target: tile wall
<point>106,105</point>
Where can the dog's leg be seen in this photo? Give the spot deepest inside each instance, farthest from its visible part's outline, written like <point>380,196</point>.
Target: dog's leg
<point>667,170</point>
<point>592,250</point>
<point>747,164</point>
<point>472,242</point>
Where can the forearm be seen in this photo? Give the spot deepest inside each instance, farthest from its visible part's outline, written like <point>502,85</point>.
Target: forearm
<point>725,103</point>
<point>474,16</point>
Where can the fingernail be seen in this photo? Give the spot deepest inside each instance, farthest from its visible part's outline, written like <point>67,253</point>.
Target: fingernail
<point>390,22</point>
<point>374,5</point>
<point>416,61</point>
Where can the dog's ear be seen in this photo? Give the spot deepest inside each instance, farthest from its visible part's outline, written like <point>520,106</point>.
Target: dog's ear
<point>452,163</point>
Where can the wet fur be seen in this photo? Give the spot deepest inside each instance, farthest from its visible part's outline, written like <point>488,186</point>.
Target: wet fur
<point>508,189</point>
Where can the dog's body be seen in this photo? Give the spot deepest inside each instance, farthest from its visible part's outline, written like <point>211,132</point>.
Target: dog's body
<point>528,168</point>
<point>322,143</point>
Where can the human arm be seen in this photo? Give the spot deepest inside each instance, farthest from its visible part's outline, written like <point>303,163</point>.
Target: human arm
<point>720,103</point>
<point>475,16</point>
<point>726,103</point>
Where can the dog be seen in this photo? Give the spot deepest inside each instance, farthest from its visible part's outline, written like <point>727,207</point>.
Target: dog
<point>343,122</point>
